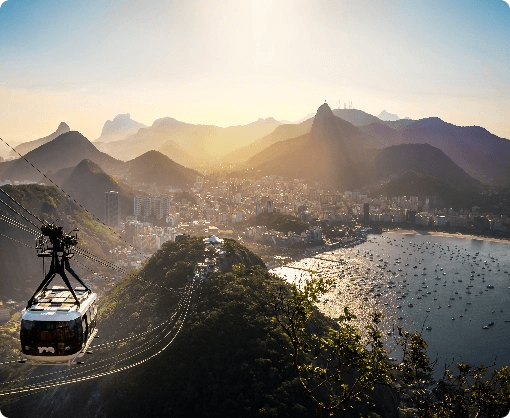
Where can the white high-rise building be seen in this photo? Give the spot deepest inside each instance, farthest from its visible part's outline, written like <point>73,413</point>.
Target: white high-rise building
<point>147,207</point>
<point>166,205</point>
<point>158,207</point>
<point>137,210</point>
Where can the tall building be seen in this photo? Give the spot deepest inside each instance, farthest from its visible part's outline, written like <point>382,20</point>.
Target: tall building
<point>147,207</point>
<point>270,206</point>
<point>366,212</point>
<point>137,210</point>
<point>158,208</point>
<point>166,206</point>
<point>111,208</point>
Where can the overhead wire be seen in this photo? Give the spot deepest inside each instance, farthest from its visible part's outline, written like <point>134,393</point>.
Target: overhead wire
<point>113,266</point>
<point>13,222</point>
<point>21,206</point>
<point>33,231</point>
<point>91,256</point>
<point>43,385</point>
<point>15,211</point>
<point>70,197</point>
<point>8,219</point>
<point>15,240</point>
<point>87,365</point>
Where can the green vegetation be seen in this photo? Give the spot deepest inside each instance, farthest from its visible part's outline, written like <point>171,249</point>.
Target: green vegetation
<point>281,223</point>
<point>49,205</point>
<point>339,369</point>
<point>254,345</point>
<point>228,360</point>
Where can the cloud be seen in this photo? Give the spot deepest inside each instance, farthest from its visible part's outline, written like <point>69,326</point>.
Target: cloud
<point>2,2</point>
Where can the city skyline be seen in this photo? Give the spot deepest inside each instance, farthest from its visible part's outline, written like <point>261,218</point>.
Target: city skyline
<point>231,63</point>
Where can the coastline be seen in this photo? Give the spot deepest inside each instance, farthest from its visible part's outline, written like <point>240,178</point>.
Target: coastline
<point>448,234</point>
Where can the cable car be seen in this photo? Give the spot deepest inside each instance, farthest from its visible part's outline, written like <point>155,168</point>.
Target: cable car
<point>55,329</point>
<point>58,324</point>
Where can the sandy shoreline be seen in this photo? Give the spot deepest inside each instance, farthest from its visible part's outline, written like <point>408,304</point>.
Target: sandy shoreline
<point>447,234</point>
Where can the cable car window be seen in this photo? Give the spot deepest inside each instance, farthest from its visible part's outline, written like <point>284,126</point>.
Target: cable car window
<point>85,326</point>
<point>51,338</point>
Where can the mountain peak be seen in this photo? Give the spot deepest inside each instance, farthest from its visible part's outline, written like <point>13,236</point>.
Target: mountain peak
<point>326,126</point>
<point>119,128</point>
<point>324,111</point>
<point>122,116</point>
<point>386,116</point>
<point>63,127</point>
<point>165,121</point>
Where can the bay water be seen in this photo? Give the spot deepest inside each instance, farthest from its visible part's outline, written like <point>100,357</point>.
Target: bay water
<point>455,290</point>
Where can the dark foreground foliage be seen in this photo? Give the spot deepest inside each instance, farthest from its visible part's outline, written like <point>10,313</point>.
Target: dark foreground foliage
<point>252,345</point>
<point>230,360</point>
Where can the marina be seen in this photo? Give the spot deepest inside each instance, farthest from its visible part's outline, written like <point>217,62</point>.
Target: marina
<point>454,290</point>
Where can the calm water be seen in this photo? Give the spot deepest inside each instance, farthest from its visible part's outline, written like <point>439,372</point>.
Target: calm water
<point>445,279</point>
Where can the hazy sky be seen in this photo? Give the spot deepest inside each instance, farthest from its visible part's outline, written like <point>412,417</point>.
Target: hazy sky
<point>231,62</point>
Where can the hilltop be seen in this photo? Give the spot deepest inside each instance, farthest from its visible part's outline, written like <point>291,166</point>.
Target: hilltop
<point>67,150</point>
<point>342,156</point>
<point>154,167</point>
<point>474,149</point>
<point>62,161</point>
<point>230,358</point>
<point>281,133</point>
<point>189,143</point>
<point>87,184</point>
<point>119,128</point>
<point>26,147</point>
<point>20,266</point>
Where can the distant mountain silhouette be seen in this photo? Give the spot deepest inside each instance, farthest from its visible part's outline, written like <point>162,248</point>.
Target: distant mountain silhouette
<point>87,184</point>
<point>201,143</point>
<point>20,266</point>
<point>330,153</point>
<point>166,121</point>
<point>356,117</point>
<point>67,150</point>
<point>176,153</point>
<point>421,158</point>
<point>387,116</point>
<point>307,117</point>
<point>31,145</point>
<point>289,130</point>
<point>154,167</point>
<point>281,133</point>
<point>441,194</point>
<point>482,154</point>
<point>119,128</point>
<point>343,156</point>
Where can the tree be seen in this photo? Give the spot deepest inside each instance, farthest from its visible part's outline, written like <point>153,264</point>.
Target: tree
<point>336,367</point>
<point>473,391</point>
<point>339,367</point>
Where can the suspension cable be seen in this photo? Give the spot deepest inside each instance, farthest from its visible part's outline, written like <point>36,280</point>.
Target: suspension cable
<point>81,366</point>
<point>70,197</point>
<point>15,240</point>
<point>13,222</point>
<point>21,206</point>
<point>16,212</point>
<point>39,386</point>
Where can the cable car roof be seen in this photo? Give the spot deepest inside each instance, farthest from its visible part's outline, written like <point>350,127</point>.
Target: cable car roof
<point>58,304</point>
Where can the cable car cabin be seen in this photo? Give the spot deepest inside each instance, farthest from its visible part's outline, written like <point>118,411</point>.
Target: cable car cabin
<point>54,329</point>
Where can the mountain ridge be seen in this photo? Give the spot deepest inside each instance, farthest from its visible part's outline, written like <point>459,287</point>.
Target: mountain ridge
<point>119,128</point>
<point>26,147</point>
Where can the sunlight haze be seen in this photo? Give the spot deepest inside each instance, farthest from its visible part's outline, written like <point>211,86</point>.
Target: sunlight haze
<point>231,63</point>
